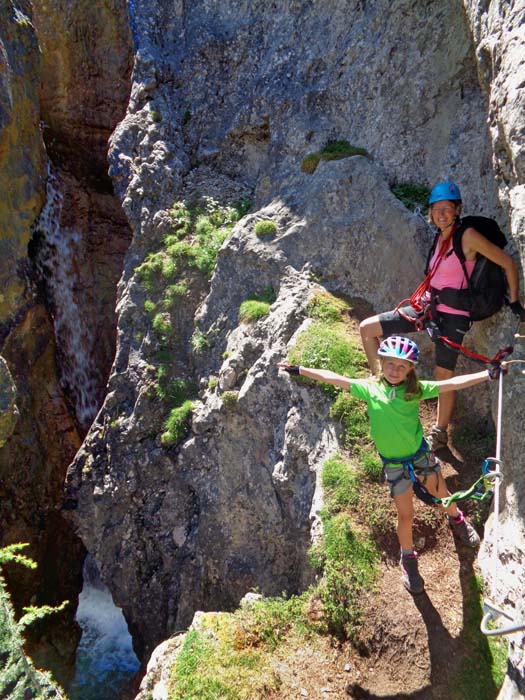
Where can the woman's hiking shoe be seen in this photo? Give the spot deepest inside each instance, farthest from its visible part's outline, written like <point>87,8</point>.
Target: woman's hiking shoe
<point>437,438</point>
<point>463,530</point>
<point>412,581</point>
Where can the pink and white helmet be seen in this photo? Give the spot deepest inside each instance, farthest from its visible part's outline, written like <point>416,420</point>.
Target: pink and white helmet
<point>399,347</point>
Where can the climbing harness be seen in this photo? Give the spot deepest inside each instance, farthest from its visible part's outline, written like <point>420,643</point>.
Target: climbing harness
<point>407,465</point>
<point>492,613</point>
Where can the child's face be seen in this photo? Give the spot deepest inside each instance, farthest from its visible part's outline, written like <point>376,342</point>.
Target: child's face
<point>395,370</point>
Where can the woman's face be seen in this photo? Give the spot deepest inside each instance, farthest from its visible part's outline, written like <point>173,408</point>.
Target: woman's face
<point>395,370</point>
<point>444,213</point>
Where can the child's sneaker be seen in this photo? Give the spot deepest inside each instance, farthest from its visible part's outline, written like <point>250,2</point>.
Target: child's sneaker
<point>463,530</point>
<point>437,438</point>
<point>412,581</point>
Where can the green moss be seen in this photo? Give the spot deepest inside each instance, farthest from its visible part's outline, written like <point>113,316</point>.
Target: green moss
<point>412,195</point>
<point>333,150</point>
<point>265,228</point>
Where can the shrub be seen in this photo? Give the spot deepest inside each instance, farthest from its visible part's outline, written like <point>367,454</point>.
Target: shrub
<point>265,228</point>
<point>198,340</point>
<point>412,195</point>
<point>162,324</point>
<point>229,398</point>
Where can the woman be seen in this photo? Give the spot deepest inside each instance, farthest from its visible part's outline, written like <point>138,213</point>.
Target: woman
<point>453,323</point>
<point>393,408</point>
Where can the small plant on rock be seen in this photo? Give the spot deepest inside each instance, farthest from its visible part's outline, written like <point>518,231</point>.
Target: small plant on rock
<point>413,196</point>
<point>333,150</point>
<point>257,306</point>
<point>265,228</point>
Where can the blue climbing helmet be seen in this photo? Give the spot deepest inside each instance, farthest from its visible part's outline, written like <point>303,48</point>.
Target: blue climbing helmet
<point>445,191</point>
<point>399,347</point>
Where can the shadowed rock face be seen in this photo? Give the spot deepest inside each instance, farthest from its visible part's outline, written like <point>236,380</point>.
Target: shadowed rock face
<point>228,99</point>
<point>60,82</point>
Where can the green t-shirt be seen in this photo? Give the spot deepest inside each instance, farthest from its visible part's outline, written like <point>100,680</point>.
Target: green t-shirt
<point>394,423</point>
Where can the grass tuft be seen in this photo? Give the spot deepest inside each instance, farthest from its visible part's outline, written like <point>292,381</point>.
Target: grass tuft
<point>333,150</point>
<point>177,424</point>
<point>257,306</point>
<point>265,228</point>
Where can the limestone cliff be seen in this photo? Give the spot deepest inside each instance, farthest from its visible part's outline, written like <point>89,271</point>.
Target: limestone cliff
<point>227,100</point>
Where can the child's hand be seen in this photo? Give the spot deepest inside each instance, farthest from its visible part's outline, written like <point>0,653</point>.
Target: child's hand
<point>291,369</point>
<point>496,369</point>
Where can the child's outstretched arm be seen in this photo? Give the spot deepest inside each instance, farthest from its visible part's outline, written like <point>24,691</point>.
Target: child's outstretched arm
<point>320,375</point>
<point>466,380</point>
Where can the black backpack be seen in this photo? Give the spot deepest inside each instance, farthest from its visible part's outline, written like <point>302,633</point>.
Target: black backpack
<point>487,285</point>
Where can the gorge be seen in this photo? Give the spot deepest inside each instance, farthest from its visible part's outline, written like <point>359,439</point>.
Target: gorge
<point>122,124</point>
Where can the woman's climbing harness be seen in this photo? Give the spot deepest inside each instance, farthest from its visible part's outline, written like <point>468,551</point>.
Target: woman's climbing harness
<point>491,613</point>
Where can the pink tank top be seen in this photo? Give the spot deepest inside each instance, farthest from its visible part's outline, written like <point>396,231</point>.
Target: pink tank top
<point>449,273</point>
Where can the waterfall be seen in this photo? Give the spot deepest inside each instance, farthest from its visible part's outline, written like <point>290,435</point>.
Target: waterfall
<point>60,255</point>
<point>106,664</point>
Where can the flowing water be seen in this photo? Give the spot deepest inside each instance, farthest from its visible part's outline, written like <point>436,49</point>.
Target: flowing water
<point>61,253</point>
<point>106,664</point>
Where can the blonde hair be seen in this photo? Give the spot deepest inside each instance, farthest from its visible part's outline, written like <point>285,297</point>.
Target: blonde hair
<point>411,382</point>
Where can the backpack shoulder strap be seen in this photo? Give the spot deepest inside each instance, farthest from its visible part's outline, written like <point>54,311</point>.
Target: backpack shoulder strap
<point>458,248</point>
<point>431,252</point>
<point>456,242</point>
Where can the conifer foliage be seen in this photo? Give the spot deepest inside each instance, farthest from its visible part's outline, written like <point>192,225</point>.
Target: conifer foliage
<point>19,679</point>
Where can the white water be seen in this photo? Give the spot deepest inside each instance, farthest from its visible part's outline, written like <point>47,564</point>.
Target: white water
<point>105,663</point>
<point>59,260</point>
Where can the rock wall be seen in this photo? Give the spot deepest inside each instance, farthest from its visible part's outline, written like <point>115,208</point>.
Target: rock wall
<point>499,40</point>
<point>64,83</point>
<point>228,99</point>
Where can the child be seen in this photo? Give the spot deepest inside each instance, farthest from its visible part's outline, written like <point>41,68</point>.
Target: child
<point>393,407</point>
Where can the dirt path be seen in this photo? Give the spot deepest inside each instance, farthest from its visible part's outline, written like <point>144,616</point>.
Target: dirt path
<point>412,647</point>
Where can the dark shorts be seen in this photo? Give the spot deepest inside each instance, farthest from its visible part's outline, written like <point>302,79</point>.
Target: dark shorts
<point>399,481</point>
<point>451,326</point>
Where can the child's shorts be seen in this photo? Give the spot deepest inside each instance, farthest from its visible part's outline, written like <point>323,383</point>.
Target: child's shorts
<point>398,478</point>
